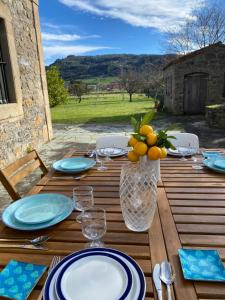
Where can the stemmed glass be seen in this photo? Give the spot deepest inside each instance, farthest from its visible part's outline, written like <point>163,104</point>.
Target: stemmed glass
<point>183,152</point>
<point>83,199</point>
<point>94,226</point>
<point>100,160</point>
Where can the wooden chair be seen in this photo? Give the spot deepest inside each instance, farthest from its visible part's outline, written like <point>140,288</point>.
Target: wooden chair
<point>18,170</point>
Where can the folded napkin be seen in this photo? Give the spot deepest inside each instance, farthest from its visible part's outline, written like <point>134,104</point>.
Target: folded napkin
<point>18,279</point>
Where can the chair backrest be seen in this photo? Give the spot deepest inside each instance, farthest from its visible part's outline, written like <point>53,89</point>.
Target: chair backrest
<point>185,139</point>
<point>16,171</point>
<point>120,141</point>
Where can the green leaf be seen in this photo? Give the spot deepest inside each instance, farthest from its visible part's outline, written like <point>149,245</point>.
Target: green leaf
<point>133,122</point>
<point>137,127</point>
<point>147,118</point>
<point>139,137</point>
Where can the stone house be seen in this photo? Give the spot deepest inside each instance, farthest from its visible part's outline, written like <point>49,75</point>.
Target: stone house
<point>25,119</point>
<point>195,80</point>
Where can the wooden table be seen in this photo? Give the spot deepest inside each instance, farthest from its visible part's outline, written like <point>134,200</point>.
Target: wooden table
<point>190,214</point>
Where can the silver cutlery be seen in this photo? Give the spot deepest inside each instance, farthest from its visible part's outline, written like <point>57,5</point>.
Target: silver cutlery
<point>167,276</point>
<point>37,241</point>
<point>54,262</point>
<point>79,177</point>
<point>157,281</point>
<point>21,246</point>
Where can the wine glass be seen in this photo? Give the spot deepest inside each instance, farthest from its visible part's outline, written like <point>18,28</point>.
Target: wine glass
<point>100,159</point>
<point>183,152</point>
<point>83,199</point>
<point>94,226</point>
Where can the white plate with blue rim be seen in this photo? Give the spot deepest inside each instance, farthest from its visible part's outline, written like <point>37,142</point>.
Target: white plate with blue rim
<point>8,216</point>
<point>111,151</point>
<point>138,288</point>
<point>94,275</point>
<point>74,164</point>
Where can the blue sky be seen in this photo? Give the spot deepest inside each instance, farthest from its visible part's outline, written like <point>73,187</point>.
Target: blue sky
<point>90,27</point>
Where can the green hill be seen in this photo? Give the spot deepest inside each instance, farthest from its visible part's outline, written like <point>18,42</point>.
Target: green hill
<point>101,66</point>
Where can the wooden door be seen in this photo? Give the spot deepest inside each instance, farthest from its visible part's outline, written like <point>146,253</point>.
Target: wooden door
<point>195,93</point>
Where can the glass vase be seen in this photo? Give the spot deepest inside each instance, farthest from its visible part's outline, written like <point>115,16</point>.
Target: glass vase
<point>138,192</point>
<point>149,165</point>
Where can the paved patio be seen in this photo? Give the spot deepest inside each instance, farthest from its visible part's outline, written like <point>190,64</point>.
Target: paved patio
<point>84,135</point>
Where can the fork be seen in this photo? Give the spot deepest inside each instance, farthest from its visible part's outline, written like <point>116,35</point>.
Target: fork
<point>54,262</point>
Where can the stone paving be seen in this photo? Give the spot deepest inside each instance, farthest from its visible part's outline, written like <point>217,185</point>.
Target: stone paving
<point>83,136</point>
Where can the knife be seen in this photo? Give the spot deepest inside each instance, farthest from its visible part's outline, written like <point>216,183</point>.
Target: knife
<point>157,281</point>
<point>21,246</point>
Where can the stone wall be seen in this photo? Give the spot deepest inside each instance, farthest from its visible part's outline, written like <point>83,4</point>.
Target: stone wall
<point>215,115</point>
<point>33,127</point>
<point>210,60</point>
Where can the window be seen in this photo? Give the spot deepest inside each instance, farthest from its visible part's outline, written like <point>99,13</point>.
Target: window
<point>3,84</point>
<point>10,85</point>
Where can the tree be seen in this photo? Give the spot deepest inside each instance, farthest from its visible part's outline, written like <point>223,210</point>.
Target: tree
<point>130,81</point>
<point>78,88</point>
<point>57,92</point>
<point>206,27</point>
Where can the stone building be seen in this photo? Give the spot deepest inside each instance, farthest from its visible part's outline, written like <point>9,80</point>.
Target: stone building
<point>24,107</point>
<point>195,80</point>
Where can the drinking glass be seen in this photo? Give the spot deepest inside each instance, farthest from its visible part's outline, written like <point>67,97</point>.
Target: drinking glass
<point>108,152</point>
<point>94,226</point>
<point>183,152</point>
<point>100,159</point>
<point>197,165</point>
<point>83,198</point>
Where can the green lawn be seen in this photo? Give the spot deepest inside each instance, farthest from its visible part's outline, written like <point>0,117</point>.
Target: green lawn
<point>100,108</point>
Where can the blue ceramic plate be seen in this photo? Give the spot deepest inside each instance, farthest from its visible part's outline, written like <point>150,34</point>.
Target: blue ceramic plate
<point>138,280</point>
<point>209,163</point>
<point>202,265</point>
<point>211,154</point>
<point>113,278</point>
<point>9,219</point>
<point>74,164</point>
<point>220,163</point>
<point>35,212</point>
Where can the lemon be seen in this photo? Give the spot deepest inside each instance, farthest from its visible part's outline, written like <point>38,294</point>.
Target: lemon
<point>132,156</point>
<point>163,152</point>
<point>154,153</point>
<point>132,141</point>
<point>151,139</point>
<point>140,148</point>
<point>146,129</point>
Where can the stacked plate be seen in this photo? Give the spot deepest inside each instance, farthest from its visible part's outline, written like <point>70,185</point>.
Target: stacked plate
<point>99,273</point>
<point>111,151</point>
<point>216,163</point>
<point>182,151</point>
<point>37,211</point>
<point>74,164</point>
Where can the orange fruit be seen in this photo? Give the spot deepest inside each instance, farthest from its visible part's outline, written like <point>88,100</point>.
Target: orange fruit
<point>140,148</point>
<point>146,129</point>
<point>163,152</point>
<point>151,139</point>
<point>154,153</point>
<point>132,141</point>
<point>132,156</point>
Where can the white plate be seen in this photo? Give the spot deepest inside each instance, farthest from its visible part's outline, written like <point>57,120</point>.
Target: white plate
<point>176,152</point>
<point>95,275</point>
<point>138,281</point>
<point>111,151</point>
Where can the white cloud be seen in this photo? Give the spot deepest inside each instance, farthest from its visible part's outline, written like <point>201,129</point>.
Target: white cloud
<point>158,14</point>
<point>59,51</point>
<point>46,36</point>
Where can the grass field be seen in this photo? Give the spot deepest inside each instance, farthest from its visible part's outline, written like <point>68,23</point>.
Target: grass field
<point>101,108</point>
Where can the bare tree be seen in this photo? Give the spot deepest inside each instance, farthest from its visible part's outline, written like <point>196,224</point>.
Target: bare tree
<point>205,28</point>
<point>130,81</point>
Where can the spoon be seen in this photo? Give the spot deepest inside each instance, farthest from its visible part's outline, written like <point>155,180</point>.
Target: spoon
<point>36,241</point>
<point>167,276</point>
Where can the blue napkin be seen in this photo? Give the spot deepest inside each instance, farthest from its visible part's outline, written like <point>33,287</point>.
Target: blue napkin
<point>18,279</point>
